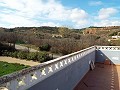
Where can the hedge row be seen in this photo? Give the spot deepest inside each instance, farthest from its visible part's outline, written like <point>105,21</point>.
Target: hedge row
<point>35,56</point>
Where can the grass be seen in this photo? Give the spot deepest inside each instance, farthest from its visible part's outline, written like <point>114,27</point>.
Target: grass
<point>7,68</point>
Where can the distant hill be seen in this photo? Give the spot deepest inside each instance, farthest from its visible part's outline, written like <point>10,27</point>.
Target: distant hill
<point>43,29</point>
<point>100,31</point>
<point>95,30</point>
<point>61,38</point>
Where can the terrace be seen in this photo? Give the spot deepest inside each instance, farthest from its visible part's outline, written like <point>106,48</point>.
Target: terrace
<point>103,77</point>
<point>94,68</point>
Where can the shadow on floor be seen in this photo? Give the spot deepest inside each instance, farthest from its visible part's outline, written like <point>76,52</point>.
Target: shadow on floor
<point>103,77</point>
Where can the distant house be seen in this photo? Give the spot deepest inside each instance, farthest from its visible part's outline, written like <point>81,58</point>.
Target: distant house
<point>57,36</point>
<point>115,37</point>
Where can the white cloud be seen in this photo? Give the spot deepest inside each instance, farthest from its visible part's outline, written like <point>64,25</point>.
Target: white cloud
<point>107,23</point>
<point>82,24</point>
<point>105,17</point>
<point>39,12</point>
<point>16,21</point>
<point>95,3</point>
<point>50,24</point>
<point>105,13</point>
<point>77,15</point>
<point>14,4</point>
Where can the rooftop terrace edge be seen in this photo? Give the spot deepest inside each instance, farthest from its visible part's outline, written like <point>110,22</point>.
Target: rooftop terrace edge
<point>9,77</point>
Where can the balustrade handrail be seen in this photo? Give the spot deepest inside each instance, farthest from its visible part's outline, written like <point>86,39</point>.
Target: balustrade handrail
<point>15,75</point>
<point>108,47</point>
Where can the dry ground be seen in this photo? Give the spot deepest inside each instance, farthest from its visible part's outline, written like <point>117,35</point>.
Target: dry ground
<point>15,60</point>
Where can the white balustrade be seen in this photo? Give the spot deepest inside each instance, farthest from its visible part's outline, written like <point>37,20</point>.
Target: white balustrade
<point>108,47</point>
<point>31,76</point>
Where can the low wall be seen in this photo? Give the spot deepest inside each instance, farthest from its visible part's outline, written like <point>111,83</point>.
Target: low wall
<point>67,78</point>
<point>111,53</point>
<point>62,73</point>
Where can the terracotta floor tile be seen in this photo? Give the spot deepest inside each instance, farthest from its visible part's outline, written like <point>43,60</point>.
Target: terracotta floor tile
<point>103,77</point>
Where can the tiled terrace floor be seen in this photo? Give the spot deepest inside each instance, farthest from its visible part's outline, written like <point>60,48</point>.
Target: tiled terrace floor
<point>103,77</point>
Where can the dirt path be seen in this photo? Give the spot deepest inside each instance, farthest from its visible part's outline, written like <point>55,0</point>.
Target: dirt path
<point>19,47</point>
<point>14,60</point>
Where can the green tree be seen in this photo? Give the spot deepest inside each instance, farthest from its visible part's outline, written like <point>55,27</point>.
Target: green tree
<point>45,47</point>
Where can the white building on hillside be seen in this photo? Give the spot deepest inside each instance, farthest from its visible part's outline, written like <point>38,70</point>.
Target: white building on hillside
<point>115,37</point>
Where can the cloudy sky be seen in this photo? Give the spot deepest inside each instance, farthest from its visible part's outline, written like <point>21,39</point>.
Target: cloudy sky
<point>70,13</point>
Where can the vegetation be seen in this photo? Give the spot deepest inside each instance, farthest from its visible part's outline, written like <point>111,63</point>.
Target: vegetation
<point>21,55</point>
<point>7,68</point>
<point>32,56</point>
<point>43,57</point>
<point>6,50</point>
<point>113,34</point>
<point>41,37</point>
<point>45,47</point>
<point>35,56</point>
<point>115,42</point>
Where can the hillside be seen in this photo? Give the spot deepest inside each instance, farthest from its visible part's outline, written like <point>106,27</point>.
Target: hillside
<point>61,39</point>
<point>98,30</point>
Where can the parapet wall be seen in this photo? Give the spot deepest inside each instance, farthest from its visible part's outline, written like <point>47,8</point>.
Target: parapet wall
<point>111,53</point>
<point>68,77</point>
<point>62,73</point>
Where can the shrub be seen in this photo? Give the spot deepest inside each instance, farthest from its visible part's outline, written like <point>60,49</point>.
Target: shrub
<point>6,53</point>
<point>32,56</point>
<point>20,42</point>
<point>0,52</point>
<point>54,50</point>
<point>45,47</point>
<point>98,37</point>
<point>14,54</point>
<point>42,57</point>
<point>64,52</point>
<point>113,34</point>
<point>21,55</point>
